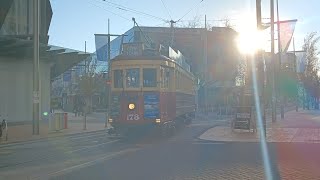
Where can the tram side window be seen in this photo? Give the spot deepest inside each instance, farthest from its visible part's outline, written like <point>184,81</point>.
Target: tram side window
<point>118,82</point>
<point>165,73</point>
<point>149,77</point>
<point>132,78</point>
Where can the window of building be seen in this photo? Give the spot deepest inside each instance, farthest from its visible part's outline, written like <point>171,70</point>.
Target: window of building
<point>132,77</point>
<point>149,77</point>
<point>118,79</point>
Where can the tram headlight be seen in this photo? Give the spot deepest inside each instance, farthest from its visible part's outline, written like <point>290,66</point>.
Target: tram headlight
<point>131,106</point>
<point>158,120</point>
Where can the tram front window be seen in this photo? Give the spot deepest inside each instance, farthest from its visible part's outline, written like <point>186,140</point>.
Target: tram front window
<point>118,82</point>
<point>132,78</point>
<point>149,77</point>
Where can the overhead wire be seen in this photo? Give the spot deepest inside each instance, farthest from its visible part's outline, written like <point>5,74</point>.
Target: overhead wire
<point>166,8</point>
<point>124,8</point>
<point>110,11</point>
<point>196,5</point>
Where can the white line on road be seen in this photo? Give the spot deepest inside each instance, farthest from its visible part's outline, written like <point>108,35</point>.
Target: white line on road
<point>86,164</point>
<point>207,143</point>
<point>96,145</point>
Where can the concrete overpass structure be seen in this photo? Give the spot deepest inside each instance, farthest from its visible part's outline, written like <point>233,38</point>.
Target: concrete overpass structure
<point>16,59</point>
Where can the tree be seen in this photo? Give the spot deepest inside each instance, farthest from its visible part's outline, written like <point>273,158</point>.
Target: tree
<point>91,82</point>
<point>227,23</point>
<point>310,76</point>
<point>193,23</point>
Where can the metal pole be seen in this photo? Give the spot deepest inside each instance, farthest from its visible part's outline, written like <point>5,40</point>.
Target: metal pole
<point>274,113</point>
<point>36,89</point>
<point>205,21</point>
<point>295,73</point>
<point>86,74</point>
<point>109,74</point>
<point>279,55</point>
<point>206,71</point>
<point>172,32</point>
<point>261,67</point>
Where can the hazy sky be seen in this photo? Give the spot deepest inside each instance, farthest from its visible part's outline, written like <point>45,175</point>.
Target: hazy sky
<point>76,21</point>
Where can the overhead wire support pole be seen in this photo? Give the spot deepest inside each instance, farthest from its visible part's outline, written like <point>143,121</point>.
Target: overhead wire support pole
<point>274,113</point>
<point>295,73</point>
<point>260,62</point>
<point>109,76</point>
<point>86,71</point>
<point>36,68</point>
<point>279,56</point>
<point>172,22</point>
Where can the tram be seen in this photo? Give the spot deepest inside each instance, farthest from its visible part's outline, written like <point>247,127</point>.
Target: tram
<point>150,90</point>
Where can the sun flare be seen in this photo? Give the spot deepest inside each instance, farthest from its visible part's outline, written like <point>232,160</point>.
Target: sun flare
<point>249,39</point>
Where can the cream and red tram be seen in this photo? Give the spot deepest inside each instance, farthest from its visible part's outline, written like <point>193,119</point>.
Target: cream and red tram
<point>149,89</point>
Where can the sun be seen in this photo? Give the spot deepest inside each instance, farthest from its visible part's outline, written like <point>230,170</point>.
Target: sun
<point>249,39</point>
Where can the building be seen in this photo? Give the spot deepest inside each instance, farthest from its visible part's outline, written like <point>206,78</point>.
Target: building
<point>16,59</point>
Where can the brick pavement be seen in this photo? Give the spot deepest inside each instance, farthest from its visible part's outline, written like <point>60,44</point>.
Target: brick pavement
<point>303,126</point>
<point>20,133</point>
<point>297,145</point>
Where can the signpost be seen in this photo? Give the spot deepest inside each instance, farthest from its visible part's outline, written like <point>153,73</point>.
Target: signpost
<point>243,118</point>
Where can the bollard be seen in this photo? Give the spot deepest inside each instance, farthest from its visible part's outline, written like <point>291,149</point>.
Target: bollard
<point>85,122</point>
<point>107,119</point>
<point>65,117</point>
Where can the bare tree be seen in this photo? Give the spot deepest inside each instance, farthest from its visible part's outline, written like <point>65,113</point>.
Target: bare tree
<point>311,77</point>
<point>193,23</point>
<point>227,23</point>
<point>89,83</point>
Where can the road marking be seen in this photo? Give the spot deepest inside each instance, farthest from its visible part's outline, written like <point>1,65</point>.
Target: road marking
<point>207,143</point>
<point>199,141</point>
<point>87,164</point>
<point>96,145</point>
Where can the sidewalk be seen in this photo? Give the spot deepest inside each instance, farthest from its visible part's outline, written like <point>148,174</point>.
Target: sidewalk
<point>20,133</point>
<point>302,126</point>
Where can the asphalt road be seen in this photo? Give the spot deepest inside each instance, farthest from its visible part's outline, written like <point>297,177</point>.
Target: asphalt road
<point>183,156</point>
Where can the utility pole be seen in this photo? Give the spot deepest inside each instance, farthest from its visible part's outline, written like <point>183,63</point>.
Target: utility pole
<point>205,54</point>
<point>206,66</point>
<point>172,22</point>
<point>274,112</point>
<point>279,56</point>
<point>109,75</point>
<point>258,58</point>
<point>36,68</point>
<point>87,78</point>
<point>205,21</point>
<point>295,73</point>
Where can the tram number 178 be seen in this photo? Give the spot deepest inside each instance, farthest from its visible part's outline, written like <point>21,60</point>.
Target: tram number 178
<point>133,117</point>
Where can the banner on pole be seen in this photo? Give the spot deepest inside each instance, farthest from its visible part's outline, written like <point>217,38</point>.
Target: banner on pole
<point>101,42</point>
<point>286,30</point>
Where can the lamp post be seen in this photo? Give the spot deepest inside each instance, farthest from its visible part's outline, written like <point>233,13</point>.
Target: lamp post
<point>36,89</point>
<point>274,114</point>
